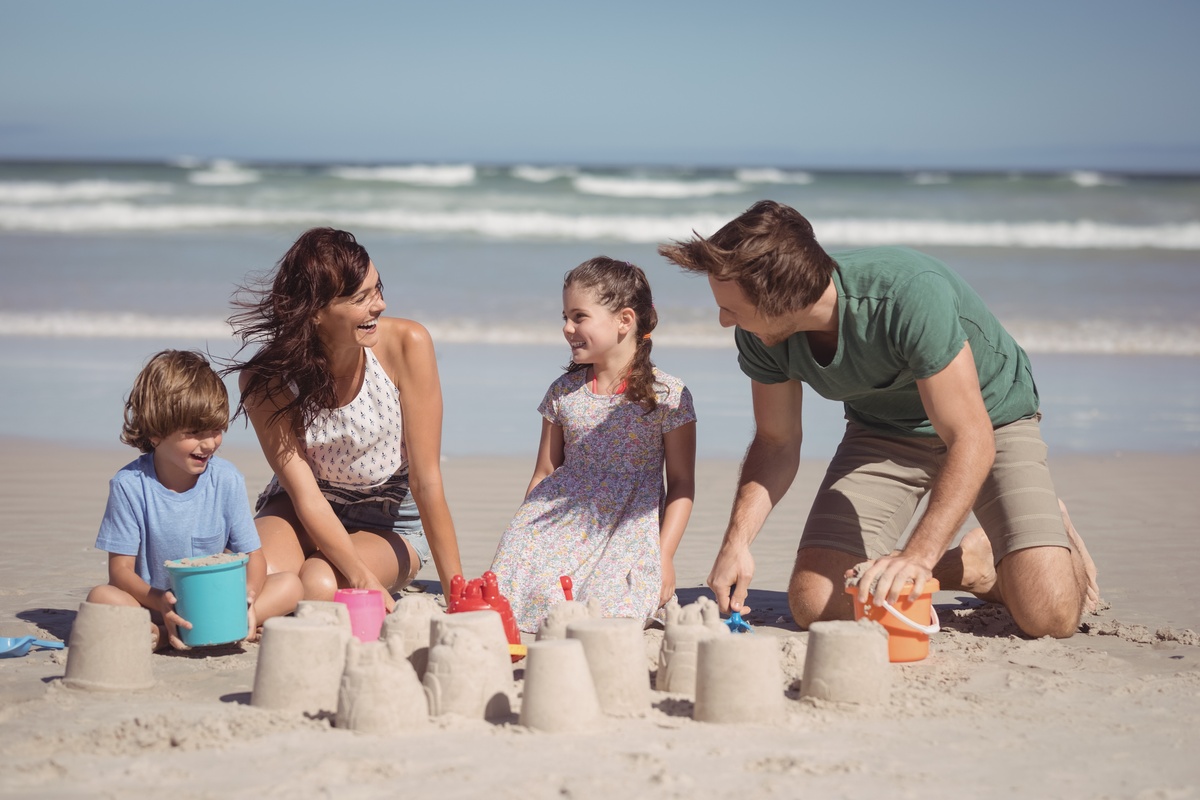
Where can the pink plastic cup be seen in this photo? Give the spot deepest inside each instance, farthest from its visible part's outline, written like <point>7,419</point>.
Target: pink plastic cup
<point>366,611</point>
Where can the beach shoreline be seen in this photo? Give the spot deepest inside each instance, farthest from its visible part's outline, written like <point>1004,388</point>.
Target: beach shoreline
<point>991,713</point>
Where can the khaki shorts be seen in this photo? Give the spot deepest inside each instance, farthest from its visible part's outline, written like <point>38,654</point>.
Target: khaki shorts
<point>875,482</point>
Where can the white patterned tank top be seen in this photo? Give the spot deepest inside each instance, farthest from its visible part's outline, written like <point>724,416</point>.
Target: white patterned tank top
<point>357,451</point>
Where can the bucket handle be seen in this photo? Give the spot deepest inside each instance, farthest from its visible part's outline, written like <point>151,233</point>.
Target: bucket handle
<point>933,627</point>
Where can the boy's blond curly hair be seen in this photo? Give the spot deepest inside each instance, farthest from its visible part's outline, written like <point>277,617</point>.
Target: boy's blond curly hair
<point>177,390</point>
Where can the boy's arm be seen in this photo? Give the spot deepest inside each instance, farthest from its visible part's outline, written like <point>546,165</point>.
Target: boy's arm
<point>122,574</point>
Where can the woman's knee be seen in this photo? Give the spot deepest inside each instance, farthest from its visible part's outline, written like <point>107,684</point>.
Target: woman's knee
<point>319,579</point>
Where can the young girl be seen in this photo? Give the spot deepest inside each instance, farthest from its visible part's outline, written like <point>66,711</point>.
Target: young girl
<point>596,509</point>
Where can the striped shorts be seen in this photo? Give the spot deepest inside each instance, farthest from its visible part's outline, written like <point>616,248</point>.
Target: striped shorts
<point>875,483</point>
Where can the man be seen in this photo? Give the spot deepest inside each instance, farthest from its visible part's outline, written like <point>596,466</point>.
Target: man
<point>939,400</point>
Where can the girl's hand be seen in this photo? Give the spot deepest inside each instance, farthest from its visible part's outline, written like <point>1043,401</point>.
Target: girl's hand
<point>668,582</point>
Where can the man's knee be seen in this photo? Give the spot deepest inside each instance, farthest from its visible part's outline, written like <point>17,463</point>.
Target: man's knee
<point>816,590</point>
<point>1041,592</point>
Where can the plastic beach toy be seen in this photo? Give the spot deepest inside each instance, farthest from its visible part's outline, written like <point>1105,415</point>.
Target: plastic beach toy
<point>212,596</point>
<point>483,594</point>
<point>366,611</point>
<point>737,624</point>
<point>14,646</point>
<point>908,634</point>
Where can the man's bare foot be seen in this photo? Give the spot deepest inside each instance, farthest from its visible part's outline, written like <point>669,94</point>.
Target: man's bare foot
<point>970,567</point>
<point>1091,600</point>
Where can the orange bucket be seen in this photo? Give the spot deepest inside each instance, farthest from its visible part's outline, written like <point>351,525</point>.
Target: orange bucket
<point>909,623</point>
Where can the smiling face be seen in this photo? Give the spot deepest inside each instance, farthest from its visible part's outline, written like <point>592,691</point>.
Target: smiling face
<point>181,458</point>
<point>354,320</point>
<point>593,332</point>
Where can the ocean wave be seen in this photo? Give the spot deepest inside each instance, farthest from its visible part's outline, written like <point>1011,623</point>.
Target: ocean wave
<point>773,176</point>
<point>223,172</point>
<point>1080,337</point>
<point>446,175</point>
<point>36,192</point>
<point>88,325</point>
<point>930,178</point>
<point>1087,179</point>
<point>1081,234</point>
<point>653,188</point>
<point>533,174</point>
<point>649,228</point>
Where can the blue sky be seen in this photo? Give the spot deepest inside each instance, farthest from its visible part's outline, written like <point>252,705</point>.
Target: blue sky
<point>1021,84</point>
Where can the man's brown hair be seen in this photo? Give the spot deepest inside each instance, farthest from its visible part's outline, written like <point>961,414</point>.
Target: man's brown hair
<point>769,251</point>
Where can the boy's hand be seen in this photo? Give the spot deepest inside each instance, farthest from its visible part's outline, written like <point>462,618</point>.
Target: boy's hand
<point>164,602</point>
<point>251,619</point>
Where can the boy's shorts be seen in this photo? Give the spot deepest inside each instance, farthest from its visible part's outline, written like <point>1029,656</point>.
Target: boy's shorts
<point>875,482</point>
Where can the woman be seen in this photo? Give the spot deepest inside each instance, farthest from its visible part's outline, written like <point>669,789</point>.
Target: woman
<point>348,409</point>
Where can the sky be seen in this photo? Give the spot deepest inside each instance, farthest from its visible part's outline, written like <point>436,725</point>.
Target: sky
<point>1022,84</point>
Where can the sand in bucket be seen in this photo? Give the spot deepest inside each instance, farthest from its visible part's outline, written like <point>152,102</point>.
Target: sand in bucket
<point>210,593</point>
<point>909,623</point>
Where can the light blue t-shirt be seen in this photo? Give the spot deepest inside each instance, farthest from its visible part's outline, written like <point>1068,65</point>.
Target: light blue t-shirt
<point>146,519</point>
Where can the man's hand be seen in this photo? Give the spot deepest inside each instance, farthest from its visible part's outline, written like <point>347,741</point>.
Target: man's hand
<point>730,577</point>
<point>885,578</point>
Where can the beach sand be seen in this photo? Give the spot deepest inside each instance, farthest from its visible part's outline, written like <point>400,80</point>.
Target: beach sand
<point>1108,713</point>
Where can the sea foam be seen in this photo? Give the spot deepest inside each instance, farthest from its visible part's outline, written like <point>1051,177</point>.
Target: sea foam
<point>1085,337</point>
<point>653,188</point>
<point>771,175</point>
<point>447,175</point>
<point>19,192</point>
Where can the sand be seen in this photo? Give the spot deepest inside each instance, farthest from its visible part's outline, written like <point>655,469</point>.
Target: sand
<point>1110,712</point>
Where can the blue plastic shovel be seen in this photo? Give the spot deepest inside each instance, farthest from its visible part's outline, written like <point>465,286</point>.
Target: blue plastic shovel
<point>14,646</point>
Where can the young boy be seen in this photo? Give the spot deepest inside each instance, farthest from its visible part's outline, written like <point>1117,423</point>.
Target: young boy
<point>179,500</point>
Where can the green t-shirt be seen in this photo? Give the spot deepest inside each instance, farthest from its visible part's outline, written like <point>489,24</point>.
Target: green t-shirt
<point>902,315</point>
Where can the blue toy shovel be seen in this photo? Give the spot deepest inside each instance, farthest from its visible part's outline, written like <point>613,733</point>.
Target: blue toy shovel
<point>737,624</point>
<point>14,646</point>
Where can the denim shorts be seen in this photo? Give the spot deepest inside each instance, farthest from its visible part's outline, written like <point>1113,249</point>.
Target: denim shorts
<point>387,516</point>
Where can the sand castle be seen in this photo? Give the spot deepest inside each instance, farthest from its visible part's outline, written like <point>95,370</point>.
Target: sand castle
<point>847,662</point>
<point>379,691</point>
<point>686,627</point>
<point>110,649</point>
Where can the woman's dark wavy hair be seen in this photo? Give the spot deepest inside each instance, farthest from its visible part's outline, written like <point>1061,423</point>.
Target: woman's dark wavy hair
<point>618,285</point>
<point>279,314</point>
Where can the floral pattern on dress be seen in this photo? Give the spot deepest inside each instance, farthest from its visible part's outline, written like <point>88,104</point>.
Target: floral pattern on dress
<point>596,517</point>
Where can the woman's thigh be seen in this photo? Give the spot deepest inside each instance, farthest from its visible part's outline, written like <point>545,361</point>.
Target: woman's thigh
<point>285,543</point>
<point>388,556</point>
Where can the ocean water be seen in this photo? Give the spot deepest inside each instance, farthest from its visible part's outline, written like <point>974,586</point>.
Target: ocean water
<point>1097,275</point>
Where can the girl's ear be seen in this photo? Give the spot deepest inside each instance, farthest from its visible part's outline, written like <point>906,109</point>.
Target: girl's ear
<point>627,320</point>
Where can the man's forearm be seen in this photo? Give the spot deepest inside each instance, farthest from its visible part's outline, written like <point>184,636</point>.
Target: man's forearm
<point>767,473</point>
<point>954,491</point>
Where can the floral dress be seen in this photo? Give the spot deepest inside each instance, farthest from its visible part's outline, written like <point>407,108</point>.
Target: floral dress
<point>595,518</point>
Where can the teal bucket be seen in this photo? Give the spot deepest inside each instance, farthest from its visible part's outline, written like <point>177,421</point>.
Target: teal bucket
<point>213,598</point>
